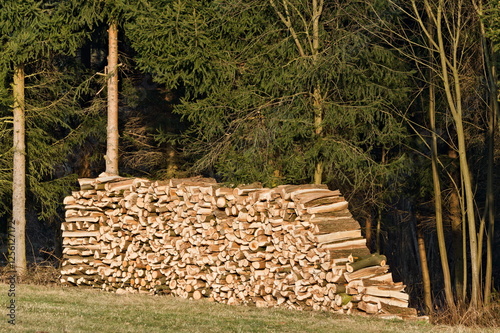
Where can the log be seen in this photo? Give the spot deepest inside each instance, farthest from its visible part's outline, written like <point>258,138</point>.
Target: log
<point>119,185</point>
<point>305,197</point>
<point>338,236</point>
<point>365,273</point>
<point>334,207</point>
<point>379,291</point>
<point>347,244</point>
<point>383,300</point>
<point>287,190</point>
<point>355,252</point>
<point>246,189</point>
<point>371,260</point>
<point>400,311</point>
<point>336,224</point>
<point>77,234</point>
<point>342,299</point>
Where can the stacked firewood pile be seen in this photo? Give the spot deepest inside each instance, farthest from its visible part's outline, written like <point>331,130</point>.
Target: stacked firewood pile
<point>291,246</point>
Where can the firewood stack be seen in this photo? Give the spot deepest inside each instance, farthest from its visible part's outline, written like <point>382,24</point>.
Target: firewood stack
<point>291,246</point>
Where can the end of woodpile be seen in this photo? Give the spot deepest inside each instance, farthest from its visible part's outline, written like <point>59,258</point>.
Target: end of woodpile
<point>294,246</point>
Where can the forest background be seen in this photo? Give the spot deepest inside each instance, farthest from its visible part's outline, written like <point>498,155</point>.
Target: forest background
<point>395,103</point>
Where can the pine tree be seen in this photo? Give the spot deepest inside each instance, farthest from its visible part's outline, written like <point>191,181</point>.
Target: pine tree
<point>32,32</point>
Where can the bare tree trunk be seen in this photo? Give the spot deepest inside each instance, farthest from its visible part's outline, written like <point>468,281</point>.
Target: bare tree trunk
<point>438,200</point>
<point>112,128</point>
<point>490,60</point>
<point>471,220</point>
<point>368,230</point>
<point>19,172</point>
<point>456,219</point>
<point>318,129</point>
<point>490,196</point>
<point>490,199</point>
<point>317,9</point>
<point>378,231</point>
<point>426,279</point>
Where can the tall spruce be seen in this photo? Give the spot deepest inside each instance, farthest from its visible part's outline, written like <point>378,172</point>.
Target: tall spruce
<point>272,98</point>
<point>32,32</point>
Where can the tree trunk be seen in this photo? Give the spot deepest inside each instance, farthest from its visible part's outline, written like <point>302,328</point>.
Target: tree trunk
<point>318,130</point>
<point>317,9</point>
<point>471,220</point>
<point>426,280</point>
<point>19,173</point>
<point>368,230</point>
<point>490,192</point>
<point>112,128</point>
<point>490,60</point>
<point>456,229</point>
<point>490,200</point>
<point>437,197</point>
<point>378,231</point>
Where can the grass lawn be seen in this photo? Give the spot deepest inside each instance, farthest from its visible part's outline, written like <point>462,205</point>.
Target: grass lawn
<point>66,309</point>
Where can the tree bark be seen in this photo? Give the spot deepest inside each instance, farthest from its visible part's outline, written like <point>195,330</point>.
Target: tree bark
<point>456,219</point>
<point>318,130</point>
<point>437,196</point>
<point>317,7</point>
<point>490,192</point>
<point>378,231</point>
<point>368,230</point>
<point>424,267</point>
<point>112,128</point>
<point>490,197</point>
<point>490,60</point>
<point>19,172</point>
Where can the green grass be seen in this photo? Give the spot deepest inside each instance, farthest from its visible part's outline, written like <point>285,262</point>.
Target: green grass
<point>66,309</point>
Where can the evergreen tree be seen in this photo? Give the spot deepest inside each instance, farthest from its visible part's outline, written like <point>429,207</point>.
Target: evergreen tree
<point>251,93</point>
<point>32,33</point>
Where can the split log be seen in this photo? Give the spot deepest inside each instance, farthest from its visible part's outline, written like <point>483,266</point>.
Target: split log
<point>334,207</point>
<point>366,273</point>
<point>339,236</point>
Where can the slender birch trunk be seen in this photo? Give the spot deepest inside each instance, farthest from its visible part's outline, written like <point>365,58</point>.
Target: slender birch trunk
<point>19,172</point>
